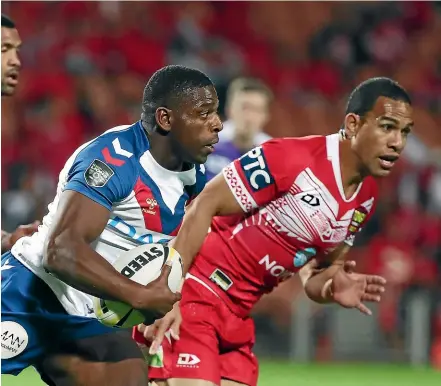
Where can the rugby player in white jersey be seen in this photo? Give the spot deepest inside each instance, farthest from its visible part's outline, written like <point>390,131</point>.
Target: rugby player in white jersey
<point>11,43</point>
<point>291,205</point>
<point>103,207</point>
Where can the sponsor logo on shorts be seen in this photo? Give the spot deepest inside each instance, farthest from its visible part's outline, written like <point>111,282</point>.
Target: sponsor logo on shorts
<point>14,339</point>
<point>98,174</point>
<point>188,360</point>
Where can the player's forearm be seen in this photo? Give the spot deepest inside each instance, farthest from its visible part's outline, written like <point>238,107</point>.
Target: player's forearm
<point>194,229</point>
<point>318,286</point>
<point>81,267</point>
<point>6,241</point>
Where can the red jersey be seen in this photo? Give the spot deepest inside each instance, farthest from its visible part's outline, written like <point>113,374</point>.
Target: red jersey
<point>295,209</point>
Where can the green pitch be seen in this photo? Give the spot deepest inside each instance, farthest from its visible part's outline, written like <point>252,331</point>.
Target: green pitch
<point>286,374</point>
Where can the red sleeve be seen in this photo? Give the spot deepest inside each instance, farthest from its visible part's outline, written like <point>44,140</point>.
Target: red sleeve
<point>266,172</point>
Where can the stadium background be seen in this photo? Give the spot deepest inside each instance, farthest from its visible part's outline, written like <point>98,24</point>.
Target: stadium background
<point>84,68</point>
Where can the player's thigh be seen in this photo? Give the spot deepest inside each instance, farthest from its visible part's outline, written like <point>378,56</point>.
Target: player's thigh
<point>189,382</point>
<point>228,382</point>
<point>109,359</point>
<point>70,370</point>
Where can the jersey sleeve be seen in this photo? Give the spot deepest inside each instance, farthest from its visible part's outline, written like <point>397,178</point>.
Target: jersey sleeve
<point>266,172</point>
<point>104,171</point>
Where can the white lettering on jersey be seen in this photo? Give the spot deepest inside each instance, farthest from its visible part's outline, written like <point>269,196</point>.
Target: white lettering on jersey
<point>258,168</point>
<point>271,266</point>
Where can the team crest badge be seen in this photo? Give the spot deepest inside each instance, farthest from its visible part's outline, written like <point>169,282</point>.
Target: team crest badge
<point>98,174</point>
<point>357,220</point>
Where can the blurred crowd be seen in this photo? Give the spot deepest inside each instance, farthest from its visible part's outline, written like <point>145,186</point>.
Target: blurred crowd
<point>85,65</point>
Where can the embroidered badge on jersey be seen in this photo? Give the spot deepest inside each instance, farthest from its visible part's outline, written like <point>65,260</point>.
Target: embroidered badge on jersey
<point>98,174</point>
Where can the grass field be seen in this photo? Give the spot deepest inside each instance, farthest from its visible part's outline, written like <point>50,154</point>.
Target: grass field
<point>286,374</point>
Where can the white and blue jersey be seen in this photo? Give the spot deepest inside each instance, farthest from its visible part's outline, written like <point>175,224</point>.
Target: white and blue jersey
<point>146,204</point>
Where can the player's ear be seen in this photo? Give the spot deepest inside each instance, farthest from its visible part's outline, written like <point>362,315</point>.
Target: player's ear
<point>164,118</point>
<point>352,125</point>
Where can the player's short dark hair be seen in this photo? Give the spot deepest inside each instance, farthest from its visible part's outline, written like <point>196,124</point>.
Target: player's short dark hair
<point>7,22</point>
<point>248,85</point>
<point>167,87</point>
<point>364,96</point>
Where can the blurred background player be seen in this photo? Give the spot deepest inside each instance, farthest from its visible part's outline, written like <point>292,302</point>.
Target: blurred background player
<point>11,43</point>
<point>247,109</point>
<point>291,205</point>
<point>98,212</point>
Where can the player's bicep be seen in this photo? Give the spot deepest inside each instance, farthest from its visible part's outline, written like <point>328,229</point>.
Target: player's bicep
<point>78,218</point>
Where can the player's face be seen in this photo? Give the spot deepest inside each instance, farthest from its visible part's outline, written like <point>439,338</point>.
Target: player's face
<point>196,124</point>
<point>10,62</point>
<point>382,135</point>
<point>249,111</point>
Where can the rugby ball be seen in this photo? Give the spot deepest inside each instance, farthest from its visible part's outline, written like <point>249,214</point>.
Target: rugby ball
<point>142,264</point>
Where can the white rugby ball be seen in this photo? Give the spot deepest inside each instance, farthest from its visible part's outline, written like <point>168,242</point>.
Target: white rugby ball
<point>142,264</point>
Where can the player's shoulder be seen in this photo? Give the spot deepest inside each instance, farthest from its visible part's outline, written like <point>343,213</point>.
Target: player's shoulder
<point>295,149</point>
<point>122,142</point>
<point>116,151</point>
<point>307,144</point>
<point>119,146</point>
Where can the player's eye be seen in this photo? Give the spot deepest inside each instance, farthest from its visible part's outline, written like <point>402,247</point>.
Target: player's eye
<point>387,126</point>
<point>406,132</point>
<point>204,114</point>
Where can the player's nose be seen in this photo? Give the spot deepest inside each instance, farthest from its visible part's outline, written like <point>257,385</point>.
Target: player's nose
<point>14,61</point>
<point>217,124</point>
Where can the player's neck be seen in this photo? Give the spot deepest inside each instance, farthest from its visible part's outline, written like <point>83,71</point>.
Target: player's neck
<point>351,172</point>
<point>161,149</point>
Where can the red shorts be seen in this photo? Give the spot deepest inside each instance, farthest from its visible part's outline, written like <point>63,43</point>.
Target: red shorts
<point>214,343</point>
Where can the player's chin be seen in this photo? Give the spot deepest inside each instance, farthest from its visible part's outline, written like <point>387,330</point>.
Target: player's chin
<point>380,172</point>
<point>201,157</point>
<point>8,90</point>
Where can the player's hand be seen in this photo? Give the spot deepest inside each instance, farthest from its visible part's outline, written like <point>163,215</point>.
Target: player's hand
<point>155,332</point>
<point>158,297</point>
<point>350,289</point>
<point>21,231</point>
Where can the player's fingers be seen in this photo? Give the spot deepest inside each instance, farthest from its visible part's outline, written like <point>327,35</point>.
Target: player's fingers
<point>150,331</point>
<point>374,279</point>
<point>162,327</point>
<point>374,289</point>
<point>177,297</point>
<point>174,328</point>
<point>363,309</point>
<point>370,298</point>
<point>141,328</point>
<point>165,272</point>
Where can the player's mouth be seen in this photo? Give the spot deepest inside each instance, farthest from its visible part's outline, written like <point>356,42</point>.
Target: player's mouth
<point>388,161</point>
<point>210,146</point>
<point>12,78</point>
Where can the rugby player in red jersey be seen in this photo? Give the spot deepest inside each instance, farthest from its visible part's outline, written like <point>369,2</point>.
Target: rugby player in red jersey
<point>292,205</point>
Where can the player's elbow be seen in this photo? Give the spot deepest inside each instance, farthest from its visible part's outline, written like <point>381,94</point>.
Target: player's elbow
<point>57,253</point>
